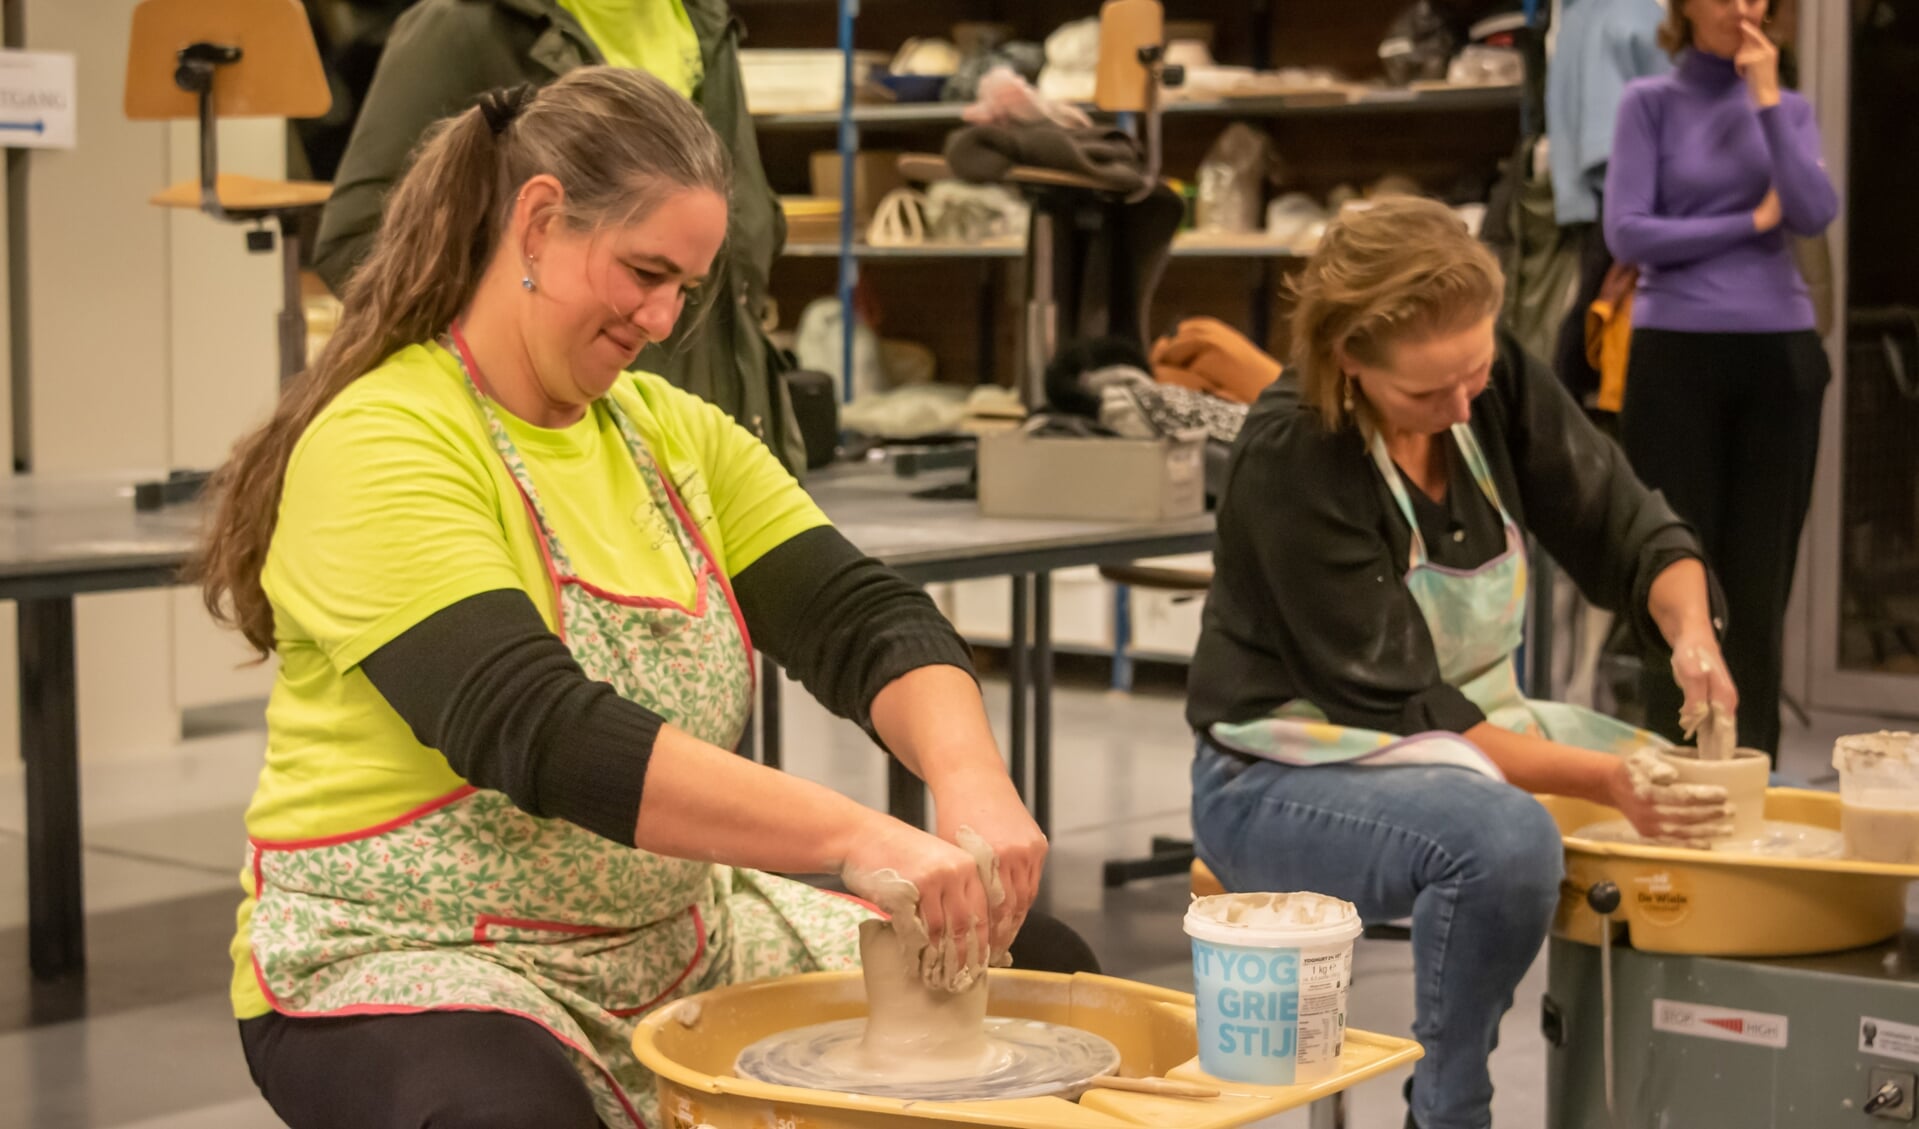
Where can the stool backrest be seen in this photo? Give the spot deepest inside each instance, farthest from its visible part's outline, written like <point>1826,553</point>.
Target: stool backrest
<point>1123,84</point>
<point>278,73</point>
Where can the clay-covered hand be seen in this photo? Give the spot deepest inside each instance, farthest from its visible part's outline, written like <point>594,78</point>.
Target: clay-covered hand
<point>1700,670</point>
<point>1647,791</point>
<point>991,810</point>
<point>914,876</point>
<point>1713,728</point>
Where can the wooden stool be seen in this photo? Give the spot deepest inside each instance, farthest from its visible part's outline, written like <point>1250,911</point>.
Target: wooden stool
<point>1158,578</point>
<point>1204,884</point>
<point>212,59</point>
<point>1041,308</point>
<point>1132,69</point>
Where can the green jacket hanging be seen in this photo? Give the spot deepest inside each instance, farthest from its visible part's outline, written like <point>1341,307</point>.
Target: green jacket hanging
<point>443,54</point>
<point>1542,264</point>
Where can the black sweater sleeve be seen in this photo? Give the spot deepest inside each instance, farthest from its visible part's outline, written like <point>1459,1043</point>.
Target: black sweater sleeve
<point>500,696</point>
<point>842,623</point>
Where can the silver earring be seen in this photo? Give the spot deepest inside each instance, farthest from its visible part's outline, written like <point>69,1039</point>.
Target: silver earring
<point>1346,399</point>
<point>526,283</point>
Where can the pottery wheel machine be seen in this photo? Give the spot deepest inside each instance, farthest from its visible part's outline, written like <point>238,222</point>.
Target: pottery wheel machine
<point>1706,989</point>
<point>695,1048</point>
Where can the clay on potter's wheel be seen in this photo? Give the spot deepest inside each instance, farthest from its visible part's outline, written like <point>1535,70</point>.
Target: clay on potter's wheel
<point>927,1036</point>
<point>913,1030</point>
<point>1025,1059</point>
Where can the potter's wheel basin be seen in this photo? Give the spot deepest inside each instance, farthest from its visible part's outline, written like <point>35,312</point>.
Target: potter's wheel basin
<point>1729,903</point>
<point>691,1046</point>
<point>1023,1058</point>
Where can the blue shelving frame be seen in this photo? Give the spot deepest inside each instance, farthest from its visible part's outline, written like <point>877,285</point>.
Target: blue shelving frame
<point>848,137</point>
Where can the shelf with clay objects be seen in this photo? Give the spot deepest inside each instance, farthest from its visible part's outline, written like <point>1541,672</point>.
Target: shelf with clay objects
<point>1187,245</point>
<point>998,249</point>
<point>1438,97</point>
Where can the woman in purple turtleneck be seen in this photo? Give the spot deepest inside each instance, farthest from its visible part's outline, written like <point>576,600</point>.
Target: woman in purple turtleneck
<point>1713,167</point>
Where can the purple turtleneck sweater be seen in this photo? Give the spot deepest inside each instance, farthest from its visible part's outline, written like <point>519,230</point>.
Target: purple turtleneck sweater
<point>1692,158</point>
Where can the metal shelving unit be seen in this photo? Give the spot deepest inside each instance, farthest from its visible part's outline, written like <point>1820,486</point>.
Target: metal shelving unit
<point>923,251</point>
<point>849,144</point>
<point>1307,102</point>
<point>850,250</point>
<point>850,118</point>
<point>1195,249</point>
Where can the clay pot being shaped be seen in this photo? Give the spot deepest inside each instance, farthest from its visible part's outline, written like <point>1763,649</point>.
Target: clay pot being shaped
<point>1743,777</point>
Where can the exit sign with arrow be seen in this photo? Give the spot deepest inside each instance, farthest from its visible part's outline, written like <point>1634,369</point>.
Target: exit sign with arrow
<point>37,102</point>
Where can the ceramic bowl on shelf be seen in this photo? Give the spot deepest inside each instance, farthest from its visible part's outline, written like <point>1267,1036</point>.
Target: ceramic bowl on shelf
<point>914,87</point>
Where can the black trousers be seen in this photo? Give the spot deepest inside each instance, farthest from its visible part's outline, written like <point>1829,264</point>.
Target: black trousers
<point>1727,426</point>
<point>474,1069</point>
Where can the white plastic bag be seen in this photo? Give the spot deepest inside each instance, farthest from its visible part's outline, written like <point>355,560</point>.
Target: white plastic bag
<point>819,345</point>
<point>1232,180</point>
<point>1072,62</point>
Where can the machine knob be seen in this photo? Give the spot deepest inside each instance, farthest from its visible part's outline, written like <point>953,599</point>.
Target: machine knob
<point>1603,897</point>
<point>1887,1095</point>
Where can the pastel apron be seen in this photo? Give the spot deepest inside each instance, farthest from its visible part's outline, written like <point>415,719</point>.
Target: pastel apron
<point>469,903</point>
<point>1477,619</point>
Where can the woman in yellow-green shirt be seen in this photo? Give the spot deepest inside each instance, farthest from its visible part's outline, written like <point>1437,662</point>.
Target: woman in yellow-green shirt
<point>511,589</point>
<point>443,55</point>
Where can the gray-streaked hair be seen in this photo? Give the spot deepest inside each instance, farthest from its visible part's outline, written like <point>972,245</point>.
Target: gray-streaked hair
<point>619,141</point>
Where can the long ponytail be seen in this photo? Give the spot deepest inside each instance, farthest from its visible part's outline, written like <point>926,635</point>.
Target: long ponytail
<point>617,139</point>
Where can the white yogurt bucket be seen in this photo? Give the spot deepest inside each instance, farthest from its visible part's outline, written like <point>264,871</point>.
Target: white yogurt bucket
<point>1271,973</point>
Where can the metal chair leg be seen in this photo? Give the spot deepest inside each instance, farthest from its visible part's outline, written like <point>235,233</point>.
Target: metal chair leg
<point>1327,1113</point>
<point>1042,308</point>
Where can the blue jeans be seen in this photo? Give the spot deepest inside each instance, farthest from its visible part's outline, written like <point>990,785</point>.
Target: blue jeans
<point>1476,863</point>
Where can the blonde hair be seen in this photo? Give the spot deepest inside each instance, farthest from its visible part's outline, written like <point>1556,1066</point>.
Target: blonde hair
<point>618,140</point>
<point>1397,268</point>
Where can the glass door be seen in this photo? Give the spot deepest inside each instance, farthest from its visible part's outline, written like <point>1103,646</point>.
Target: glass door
<point>1861,628</point>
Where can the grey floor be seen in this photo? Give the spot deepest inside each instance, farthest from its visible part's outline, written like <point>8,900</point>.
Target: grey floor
<point>150,1043</point>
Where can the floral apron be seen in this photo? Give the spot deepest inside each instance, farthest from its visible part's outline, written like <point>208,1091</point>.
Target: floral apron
<point>1477,620</point>
<point>469,903</point>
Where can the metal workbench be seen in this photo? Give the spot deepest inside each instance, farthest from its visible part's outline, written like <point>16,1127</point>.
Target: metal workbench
<point>933,541</point>
<point>62,537</point>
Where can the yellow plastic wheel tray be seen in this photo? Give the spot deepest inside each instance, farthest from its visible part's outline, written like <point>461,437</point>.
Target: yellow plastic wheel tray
<point>1708,903</point>
<point>691,1045</point>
